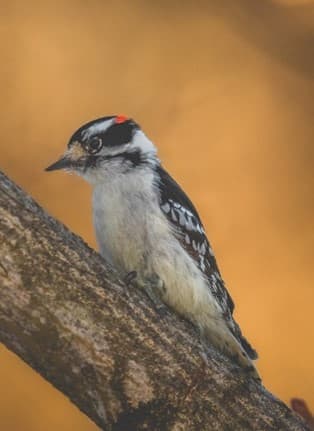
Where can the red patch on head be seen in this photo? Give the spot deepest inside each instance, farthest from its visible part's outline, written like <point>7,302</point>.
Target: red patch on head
<point>120,119</point>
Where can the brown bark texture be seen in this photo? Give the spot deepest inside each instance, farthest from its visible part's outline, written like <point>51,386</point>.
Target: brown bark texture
<point>65,312</point>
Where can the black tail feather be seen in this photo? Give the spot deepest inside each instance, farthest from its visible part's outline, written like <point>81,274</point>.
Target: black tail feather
<point>252,354</point>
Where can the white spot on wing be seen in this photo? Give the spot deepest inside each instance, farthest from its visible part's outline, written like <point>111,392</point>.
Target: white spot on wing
<point>181,218</point>
<point>165,207</point>
<point>173,215</point>
<point>199,228</point>
<point>189,224</point>
<point>189,212</point>
<point>203,248</point>
<point>210,251</point>
<point>202,264</point>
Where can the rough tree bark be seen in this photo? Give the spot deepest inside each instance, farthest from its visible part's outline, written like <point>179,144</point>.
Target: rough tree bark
<point>64,311</point>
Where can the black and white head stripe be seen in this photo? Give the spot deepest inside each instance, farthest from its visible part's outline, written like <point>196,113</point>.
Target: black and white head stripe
<point>111,130</point>
<point>110,143</point>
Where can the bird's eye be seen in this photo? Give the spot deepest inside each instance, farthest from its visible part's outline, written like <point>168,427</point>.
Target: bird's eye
<point>94,145</point>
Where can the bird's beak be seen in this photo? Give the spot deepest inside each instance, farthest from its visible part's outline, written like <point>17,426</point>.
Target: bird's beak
<point>63,163</point>
<point>72,159</point>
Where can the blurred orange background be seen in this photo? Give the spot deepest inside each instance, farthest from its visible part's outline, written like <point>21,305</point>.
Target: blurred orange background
<point>225,89</point>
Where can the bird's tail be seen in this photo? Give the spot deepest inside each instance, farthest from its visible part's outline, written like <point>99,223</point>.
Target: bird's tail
<point>236,331</point>
<point>229,339</point>
<point>245,354</point>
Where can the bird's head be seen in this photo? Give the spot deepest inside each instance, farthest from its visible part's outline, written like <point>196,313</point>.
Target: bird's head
<point>106,146</point>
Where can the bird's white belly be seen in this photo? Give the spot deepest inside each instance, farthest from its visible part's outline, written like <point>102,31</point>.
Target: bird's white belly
<point>138,238</point>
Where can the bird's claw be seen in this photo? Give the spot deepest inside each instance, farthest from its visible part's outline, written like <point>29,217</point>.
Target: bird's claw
<point>130,277</point>
<point>152,285</point>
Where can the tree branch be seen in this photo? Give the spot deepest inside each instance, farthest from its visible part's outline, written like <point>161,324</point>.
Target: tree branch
<point>66,314</point>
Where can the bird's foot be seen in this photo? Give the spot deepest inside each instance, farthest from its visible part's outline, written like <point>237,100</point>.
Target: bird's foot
<point>152,285</point>
<point>130,277</point>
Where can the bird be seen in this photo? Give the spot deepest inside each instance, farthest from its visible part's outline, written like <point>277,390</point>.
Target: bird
<point>149,230</point>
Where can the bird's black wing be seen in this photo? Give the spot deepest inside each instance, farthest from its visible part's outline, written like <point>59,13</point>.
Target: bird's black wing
<point>188,227</point>
<point>182,214</point>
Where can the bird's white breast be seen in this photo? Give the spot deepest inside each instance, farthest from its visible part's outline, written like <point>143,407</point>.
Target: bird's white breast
<point>134,235</point>
<point>126,218</point>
